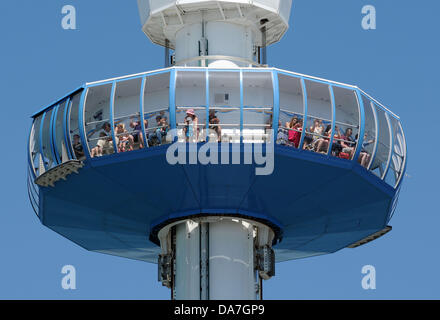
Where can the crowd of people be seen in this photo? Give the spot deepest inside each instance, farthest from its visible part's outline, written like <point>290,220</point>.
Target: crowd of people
<point>129,140</point>
<point>317,138</point>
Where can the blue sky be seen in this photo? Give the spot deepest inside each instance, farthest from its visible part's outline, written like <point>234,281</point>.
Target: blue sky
<point>398,64</point>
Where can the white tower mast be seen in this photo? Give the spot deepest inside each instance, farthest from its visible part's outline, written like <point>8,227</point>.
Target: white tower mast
<point>215,257</point>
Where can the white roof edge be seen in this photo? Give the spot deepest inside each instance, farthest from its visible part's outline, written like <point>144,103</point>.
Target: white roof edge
<point>380,104</point>
<point>317,78</point>
<point>127,76</point>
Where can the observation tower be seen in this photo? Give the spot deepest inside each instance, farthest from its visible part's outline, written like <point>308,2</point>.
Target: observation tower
<point>216,166</point>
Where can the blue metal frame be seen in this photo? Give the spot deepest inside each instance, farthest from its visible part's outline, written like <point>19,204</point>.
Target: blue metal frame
<point>376,138</point>
<point>361,132</point>
<point>41,142</point>
<point>52,130</point>
<point>404,157</point>
<point>141,110</point>
<point>112,116</point>
<point>305,104</point>
<point>29,152</point>
<point>276,105</point>
<point>66,128</point>
<point>57,101</point>
<point>172,101</point>
<point>391,152</point>
<point>332,99</point>
<point>81,126</point>
<point>207,104</point>
<point>241,106</point>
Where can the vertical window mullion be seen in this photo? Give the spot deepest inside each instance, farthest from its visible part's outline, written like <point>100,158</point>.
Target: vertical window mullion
<point>303,133</point>
<point>172,103</point>
<point>30,160</point>
<point>81,124</point>
<point>404,150</point>
<point>142,109</point>
<point>66,127</point>
<point>276,105</point>
<point>207,105</point>
<point>332,99</point>
<point>376,138</point>
<point>361,131</point>
<point>241,106</point>
<point>53,144</point>
<point>41,143</point>
<point>112,116</point>
<point>391,152</point>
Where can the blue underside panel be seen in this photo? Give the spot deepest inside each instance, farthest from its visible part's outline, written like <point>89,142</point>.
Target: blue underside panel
<point>321,205</point>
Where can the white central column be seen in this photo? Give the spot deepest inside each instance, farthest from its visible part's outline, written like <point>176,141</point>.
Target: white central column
<point>214,257</point>
<point>232,274</point>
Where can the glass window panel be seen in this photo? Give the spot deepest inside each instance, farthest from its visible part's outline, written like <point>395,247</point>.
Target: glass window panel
<point>383,145</point>
<point>346,133</point>
<point>291,116</point>
<point>127,116</point>
<point>398,156</point>
<point>319,117</point>
<point>97,121</point>
<point>224,105</point>
<point>34,145</point>
<point>257,106</point>
<point>76,145</point>
<point>156,109</point>
<point>369,142</point>
<point>191,106</point>
<point>60,145</point>
<point>48,159</point>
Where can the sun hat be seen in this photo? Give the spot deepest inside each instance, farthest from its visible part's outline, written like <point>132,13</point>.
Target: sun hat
<point>191,112</point>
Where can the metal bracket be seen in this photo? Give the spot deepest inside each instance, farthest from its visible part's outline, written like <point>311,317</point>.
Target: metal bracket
<point>165,269</point>
<point>265,262</point>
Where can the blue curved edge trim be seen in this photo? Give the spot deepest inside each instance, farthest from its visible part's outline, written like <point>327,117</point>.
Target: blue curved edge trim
<point>391,152</point>
<point>172,101</point>
<point>332,99</point>
<point>82,129</point>
<point>207,103</point>
<point>241,106</point>
<point>112,115</point>
<point>66,128</point>
<point>41,141</point>
<point>305,102</point>
<point>276,105</point>
<point>405,150</point>
<point>53,145</point>
<point>56,102</point>
<point>29,152</point>
<point>361,125</point>
<point>376,138</point>
<point>141,109</point>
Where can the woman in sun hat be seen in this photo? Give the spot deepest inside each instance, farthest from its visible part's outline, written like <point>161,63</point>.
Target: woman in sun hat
<point>191,122</point>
